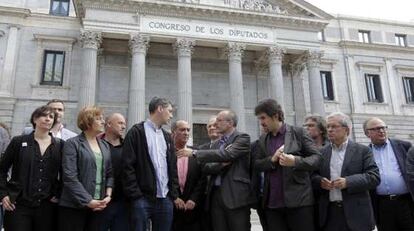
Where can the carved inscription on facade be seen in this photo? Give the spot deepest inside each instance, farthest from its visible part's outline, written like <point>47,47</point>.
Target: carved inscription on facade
<point>204,29</point>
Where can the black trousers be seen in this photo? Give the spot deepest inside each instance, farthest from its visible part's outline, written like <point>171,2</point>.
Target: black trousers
<point>395,214</point>
<point>225,219</point>
<point>23,218</point>
<point>292,219</point>
<point>336,220</point>
<point>71,219</point>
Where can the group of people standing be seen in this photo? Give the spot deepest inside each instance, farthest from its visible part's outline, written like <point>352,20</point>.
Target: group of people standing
<point>298,178</point>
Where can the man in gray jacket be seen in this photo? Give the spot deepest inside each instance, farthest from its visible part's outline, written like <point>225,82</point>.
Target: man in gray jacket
<point>287,156</point>
<point>229,193</point>
<point>346,175</point>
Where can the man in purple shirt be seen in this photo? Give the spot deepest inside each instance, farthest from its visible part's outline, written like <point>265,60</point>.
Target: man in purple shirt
<point>287,156</point>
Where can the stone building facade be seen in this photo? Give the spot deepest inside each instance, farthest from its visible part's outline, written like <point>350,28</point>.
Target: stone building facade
<point>204,55</point>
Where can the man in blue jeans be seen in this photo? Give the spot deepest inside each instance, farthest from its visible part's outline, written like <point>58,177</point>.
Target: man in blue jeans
<point>150,178</point>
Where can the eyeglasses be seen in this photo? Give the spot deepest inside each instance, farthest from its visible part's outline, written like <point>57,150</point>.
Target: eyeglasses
<point>377,129</point>
<point>334,127</point>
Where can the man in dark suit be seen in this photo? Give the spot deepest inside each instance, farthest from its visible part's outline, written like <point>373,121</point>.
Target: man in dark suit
<point>287,156</point>
<point>393,198</point>
<point>229,191</point>
<point>347,173</point>
<point>187,213</point>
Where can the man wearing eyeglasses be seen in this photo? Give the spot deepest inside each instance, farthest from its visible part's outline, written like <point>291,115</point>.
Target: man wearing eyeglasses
<point>347,173</point>
<point>393,198</point>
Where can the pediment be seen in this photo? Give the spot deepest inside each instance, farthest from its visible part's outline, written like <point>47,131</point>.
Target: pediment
<point>298,8</point>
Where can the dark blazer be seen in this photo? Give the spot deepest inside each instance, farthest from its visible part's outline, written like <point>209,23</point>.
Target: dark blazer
<point>297,184</point>
<point>193,190</point>
<point>361,174</point>
<point>236,188</point>
<point>139,177</point>
<point>79,172</point>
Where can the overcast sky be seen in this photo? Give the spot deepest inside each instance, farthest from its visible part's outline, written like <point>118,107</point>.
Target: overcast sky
<point>400,10</point>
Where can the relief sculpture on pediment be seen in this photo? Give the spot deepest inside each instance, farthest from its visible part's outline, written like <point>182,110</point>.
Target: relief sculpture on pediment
<point>255,5</point>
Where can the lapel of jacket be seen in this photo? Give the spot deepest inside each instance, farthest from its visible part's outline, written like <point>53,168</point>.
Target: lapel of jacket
<point>326,154</point>
<point>348,156</point>
<point>191,165</point>
<point>399,155</point>
<point>289,138</point>
<point>232,138</point>
<point>85,144</point>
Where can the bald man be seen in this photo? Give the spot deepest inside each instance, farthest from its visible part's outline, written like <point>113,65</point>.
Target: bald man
<point>393,198</point>
<point>211,132</point>
<point>114,217</point>
<point>192,183</point>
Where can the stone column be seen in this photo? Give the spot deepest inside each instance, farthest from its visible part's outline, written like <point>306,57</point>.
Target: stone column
<point>235,53</point>
<point>10,59</point>
<point>136,105</point>
<point>91,41</point>
<point>315,86</point>
<point>183,48</point>
<point>276,90</point>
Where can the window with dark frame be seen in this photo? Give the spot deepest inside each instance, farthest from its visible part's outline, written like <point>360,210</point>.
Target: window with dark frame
<point>53,66</point>
<point>200,135</point>
<point>327,85</point>
<point>364,36</point>
<point>59,7</point>
<point>408,83</point>
<point>374,91</point>
<point>401,40</point>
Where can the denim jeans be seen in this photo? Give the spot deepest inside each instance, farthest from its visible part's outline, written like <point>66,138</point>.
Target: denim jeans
<point>159,211</point>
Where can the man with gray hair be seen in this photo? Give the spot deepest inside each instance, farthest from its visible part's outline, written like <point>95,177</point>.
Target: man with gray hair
<point>316,127</point>
<point>393,198</point>
<point>229,193</point>
<point>346,175</point>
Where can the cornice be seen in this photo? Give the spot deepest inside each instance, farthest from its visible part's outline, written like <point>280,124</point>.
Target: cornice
<point>42,37</point>
<point>198,11</point>
<point>375,46</point>
<point>14,11</point>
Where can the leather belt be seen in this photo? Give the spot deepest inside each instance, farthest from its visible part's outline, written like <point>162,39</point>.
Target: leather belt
<point>394,197</point>
<point>338,204</point>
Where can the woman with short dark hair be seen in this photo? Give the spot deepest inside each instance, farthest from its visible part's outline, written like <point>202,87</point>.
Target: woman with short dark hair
<point>30,195</point>
<point>87,175</point>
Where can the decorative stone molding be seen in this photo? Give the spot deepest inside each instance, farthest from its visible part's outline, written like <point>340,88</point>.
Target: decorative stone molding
<point>313,58</point>
<point>275,53</point>
<point>184,46</point>
<point>235,51</point>
<point>300,19</point>
<point>90,39</point>
<point>139,43</point>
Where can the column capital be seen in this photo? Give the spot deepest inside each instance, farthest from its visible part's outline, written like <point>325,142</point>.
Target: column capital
<point>313,58</point>
<point>139,43</point>
<point>90,39</point>
<point>184,46</point>
<point>275,53</point>
<point>235,50</point>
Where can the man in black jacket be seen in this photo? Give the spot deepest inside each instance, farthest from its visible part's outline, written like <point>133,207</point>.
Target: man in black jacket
<point>192,182</point>
<point>287,156</point>
<point>393,197</point>
<point>149,169</point>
